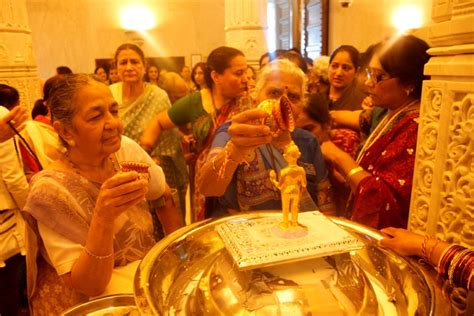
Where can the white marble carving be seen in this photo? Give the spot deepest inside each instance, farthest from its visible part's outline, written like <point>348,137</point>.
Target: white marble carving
<point>457,198</point>
<point>17,61</point>
<point>442,201</point>
<point>245,27</point>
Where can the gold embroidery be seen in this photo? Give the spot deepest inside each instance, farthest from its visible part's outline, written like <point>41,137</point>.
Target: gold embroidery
<point>401,181</point>
<point>410,151</point>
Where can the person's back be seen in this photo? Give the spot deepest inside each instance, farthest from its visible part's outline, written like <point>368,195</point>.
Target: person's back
<point>13,193</point>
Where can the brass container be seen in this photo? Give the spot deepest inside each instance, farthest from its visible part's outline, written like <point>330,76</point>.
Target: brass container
<point>191,273</point>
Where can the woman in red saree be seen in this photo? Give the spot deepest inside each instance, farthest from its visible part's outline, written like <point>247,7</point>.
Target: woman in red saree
<point>381,177</point>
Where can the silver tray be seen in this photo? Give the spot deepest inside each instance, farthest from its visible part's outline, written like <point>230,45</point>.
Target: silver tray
<point>113,305</point>
<point>191,272</point>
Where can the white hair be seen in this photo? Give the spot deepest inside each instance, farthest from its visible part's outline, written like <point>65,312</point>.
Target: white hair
<point>283,67</point>
<point>321,68</point>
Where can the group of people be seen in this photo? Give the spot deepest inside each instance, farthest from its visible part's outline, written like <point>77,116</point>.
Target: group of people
<point>92,212</point>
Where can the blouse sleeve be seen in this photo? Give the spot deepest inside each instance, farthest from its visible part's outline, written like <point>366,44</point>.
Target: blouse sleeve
<point>383,199</point>
<point>221,138</point>
<point>62,252</point>
<point>12,176</point>
<point>181,112</point>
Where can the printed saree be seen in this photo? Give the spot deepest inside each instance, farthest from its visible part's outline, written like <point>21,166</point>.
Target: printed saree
<point>383,199</point>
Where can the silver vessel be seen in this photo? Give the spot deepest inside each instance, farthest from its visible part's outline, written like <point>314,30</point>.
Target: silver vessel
<point>191,273</point>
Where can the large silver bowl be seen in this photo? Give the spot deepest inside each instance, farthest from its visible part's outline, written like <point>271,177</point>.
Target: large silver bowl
<point>112,305</point>
<point>191,273</point>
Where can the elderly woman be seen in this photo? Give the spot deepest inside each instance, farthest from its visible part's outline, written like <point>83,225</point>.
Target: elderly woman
<point>91,219</point>
<point>206,109</point>
<point>237,169</point>
<point>139,103</point>
<point>381,177</point>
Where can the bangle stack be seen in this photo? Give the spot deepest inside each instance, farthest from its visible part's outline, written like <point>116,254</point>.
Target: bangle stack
<point>353,172</point>
<point>97,256</point>
<point>457,265</point>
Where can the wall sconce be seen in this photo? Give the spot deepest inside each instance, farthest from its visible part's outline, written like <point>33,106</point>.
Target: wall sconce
<point>407,17</point>
<point>135,37</point>
<point>135,20</point>
<point>345,3</point>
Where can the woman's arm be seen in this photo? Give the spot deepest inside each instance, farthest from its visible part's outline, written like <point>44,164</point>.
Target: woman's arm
<point>348,119</point>
<point>169,215</point>
<point>92,271</point>
<point>344,164</point>
<point>245,136</point>
<point>407,243</point>
<point>15,117</point>
<point>11,173</point>
<point>152,132</point>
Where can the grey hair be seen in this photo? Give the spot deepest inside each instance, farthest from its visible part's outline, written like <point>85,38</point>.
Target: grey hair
<point>283,67</point>
<point>61,101</point>
<point>321,68</point>
<point>170,81</point>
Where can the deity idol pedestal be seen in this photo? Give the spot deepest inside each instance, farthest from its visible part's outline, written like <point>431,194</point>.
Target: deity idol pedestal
<point>192,272</point>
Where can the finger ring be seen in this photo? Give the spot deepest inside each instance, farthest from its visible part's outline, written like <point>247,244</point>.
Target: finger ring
<point>12,122</point>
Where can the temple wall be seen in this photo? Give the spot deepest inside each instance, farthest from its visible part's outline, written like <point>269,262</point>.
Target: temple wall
<point>17,58</point>
<point>442,201</point>
<point>75,33</point>
<point>367,22</point>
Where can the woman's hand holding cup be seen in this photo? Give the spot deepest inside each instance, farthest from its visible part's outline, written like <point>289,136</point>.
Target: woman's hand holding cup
<point>120,192</point>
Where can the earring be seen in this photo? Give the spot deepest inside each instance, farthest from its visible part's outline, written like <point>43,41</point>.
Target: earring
<point>408,91</point>
<point>71,143</point>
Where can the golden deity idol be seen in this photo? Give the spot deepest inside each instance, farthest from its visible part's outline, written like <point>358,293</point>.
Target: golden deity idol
<point>291,183</point>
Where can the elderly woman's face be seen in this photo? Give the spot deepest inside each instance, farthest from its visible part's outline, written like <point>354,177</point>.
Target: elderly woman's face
<point>385,91</point>
<point>278,84</point>
<point>341,70</point>
<point>130,66</point>
<point>96,127</point>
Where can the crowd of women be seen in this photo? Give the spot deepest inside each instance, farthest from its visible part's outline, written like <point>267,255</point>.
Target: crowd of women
<point>106,171</point>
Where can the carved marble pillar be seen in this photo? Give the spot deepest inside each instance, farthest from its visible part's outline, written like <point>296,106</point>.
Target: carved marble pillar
<point>245,27</point>
<point>17,61</point>
<point>443,189</point>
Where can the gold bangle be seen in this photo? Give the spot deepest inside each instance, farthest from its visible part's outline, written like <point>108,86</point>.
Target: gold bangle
<point>96,256</point>
<point>353,171</point>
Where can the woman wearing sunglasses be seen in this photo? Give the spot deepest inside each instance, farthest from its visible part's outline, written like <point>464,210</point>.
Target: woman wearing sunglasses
<point>381,177</point>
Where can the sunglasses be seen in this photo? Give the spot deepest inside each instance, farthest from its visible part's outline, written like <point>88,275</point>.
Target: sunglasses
<point>376,77</point>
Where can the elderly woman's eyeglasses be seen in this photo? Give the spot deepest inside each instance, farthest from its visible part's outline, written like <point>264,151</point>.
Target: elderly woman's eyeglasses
<point>375,76</point>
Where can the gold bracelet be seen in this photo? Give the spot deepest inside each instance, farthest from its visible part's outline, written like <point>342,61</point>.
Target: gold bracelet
<point>96,256</point>
<point>353,171</point>
<point>424,246</point>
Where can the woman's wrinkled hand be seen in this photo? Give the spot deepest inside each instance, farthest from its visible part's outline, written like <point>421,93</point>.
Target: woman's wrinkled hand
<point>402,241</point>
<point>16,118</point>
<point>247,132</point>
<point>119,193</point>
